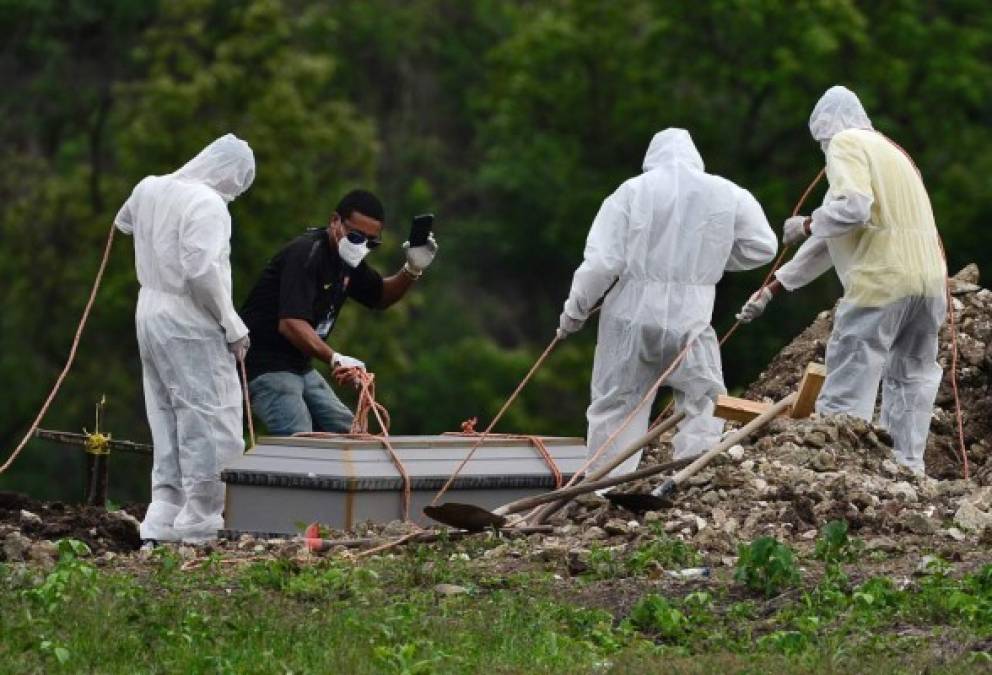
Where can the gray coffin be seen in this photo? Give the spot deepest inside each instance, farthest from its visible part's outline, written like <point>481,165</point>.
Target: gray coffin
<point>284,483</point>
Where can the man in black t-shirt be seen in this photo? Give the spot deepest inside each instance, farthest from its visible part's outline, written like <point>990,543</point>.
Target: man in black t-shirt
<point>295,304</point>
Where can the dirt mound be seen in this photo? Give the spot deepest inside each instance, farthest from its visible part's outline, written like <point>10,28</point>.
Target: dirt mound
<point>973,309</point>
<point>27,527</point>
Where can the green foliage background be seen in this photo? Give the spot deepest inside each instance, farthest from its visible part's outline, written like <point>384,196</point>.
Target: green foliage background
<point>511,120</point>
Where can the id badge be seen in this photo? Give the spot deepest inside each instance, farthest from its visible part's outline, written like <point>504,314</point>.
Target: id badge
<point>324,327</point>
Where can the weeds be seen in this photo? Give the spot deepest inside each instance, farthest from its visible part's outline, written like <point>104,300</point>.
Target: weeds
<point>767,565</point>
<point>665,551</point>
<point>835,546</point>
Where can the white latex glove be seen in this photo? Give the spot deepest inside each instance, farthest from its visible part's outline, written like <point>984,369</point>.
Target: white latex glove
<point>794,230</point>
<point>567,324</point>
<point>754,307</point>
<point>419,258</point>
<point>340,360</point>
<point>239,348</point>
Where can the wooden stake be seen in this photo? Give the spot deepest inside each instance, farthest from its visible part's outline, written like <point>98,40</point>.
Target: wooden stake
<point>741,410</point>
<point>809,389</point>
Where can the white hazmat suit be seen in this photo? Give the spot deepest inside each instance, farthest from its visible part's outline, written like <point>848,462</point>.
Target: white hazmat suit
<point>876,228</point>
<point>668,235</point>
<point>185,322</point>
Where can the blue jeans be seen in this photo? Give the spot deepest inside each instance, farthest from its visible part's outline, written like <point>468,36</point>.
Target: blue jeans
<point>289,403</point>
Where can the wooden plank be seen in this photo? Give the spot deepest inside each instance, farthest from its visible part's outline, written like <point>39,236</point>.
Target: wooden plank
<point>735,409</point>
<point>72,438</point>
<point>809,389</point>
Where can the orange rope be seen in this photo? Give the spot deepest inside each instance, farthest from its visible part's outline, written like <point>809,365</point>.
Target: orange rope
<point>485,434</point>
<point>72,355</point>
<point>954,378</point>
<point>959,418</point>
<point>468,430</point>
<point>244,392</point>
<point>365,381</point>
<point>649,396</point>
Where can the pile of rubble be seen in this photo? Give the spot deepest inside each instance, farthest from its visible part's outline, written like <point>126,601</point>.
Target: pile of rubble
<point>973,314</point>
<point>790,481</point>
<point>796,475</point>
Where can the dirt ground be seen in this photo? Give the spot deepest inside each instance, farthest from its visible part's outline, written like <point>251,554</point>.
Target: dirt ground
<point>115,531</point>
<point>786,482</point>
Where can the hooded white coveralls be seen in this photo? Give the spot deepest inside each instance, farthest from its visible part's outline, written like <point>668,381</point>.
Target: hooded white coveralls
<point>668,235</point>
<point>185,320</point>
<point>876,228</point>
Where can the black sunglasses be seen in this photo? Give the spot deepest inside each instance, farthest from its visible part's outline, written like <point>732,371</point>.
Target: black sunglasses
<point>359,237</point>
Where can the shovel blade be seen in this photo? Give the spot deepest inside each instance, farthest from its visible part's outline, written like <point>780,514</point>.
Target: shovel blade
<point>637,502</point>
<point>464,516</point>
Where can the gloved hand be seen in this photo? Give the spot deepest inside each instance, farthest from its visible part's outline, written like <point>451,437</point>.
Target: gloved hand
<point>754,307</point>
<point>794,230</point>
<point>342,366</point>
<point>567,324</point>
<point>340,360</point>
<point>419,258</point>
<point>239,348</point>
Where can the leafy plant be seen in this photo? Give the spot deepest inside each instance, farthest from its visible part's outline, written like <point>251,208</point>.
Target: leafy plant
<point>766,565</point>
<point>834,544</point>
<point>665,551</point>
<point>604,563</point>
<point>69,572</point>
<point>655,614</point>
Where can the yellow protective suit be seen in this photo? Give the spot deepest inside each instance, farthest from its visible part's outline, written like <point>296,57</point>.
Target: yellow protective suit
<point>896,253</point>
<point>876,228</point>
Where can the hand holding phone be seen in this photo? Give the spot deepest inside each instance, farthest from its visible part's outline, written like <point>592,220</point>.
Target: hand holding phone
<point>421,229</point>
<point>421,247</point>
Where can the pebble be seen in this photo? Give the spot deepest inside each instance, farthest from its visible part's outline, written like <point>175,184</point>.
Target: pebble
<point>15,547</point>
<point>616,526</point>
<point>594,534</point>
<point>450,589</point>
<point>917,523</point>
<point>904,490</point>
<point>28,518</point>
<point>970,517</point>
<point>925,565</point>
<point>44,552</point>
<point>955,534</point>
<point>736,452</point>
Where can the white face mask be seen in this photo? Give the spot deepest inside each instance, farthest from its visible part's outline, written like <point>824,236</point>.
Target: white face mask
<point>351,253</point>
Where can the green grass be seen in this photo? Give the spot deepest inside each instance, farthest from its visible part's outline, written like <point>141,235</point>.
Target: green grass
<point>383,616</point>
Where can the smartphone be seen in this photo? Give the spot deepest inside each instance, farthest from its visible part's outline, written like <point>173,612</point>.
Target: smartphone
<point>421,229</point>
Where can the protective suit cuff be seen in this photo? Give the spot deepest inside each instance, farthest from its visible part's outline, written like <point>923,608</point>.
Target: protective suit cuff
<point>788,283</point>
<point>234,328</point>
<point>572,309</point>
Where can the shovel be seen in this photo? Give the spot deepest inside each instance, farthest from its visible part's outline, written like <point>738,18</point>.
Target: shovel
<point>619,459</point>
<point>475,518</point>
<point>659,498</point>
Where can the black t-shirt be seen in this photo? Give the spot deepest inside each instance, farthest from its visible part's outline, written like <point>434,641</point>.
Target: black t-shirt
<point>306,280</point>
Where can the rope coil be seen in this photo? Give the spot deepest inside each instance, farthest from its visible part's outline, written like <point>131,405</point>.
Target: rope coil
<point>367,403</point>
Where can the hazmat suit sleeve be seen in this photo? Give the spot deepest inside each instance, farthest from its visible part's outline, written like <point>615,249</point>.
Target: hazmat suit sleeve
<point>849,202</point>
<point>603,259</point>
<point>203,240</point>
<point>755,243</point>
<point>124,221</point>
<point>811,260</point>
